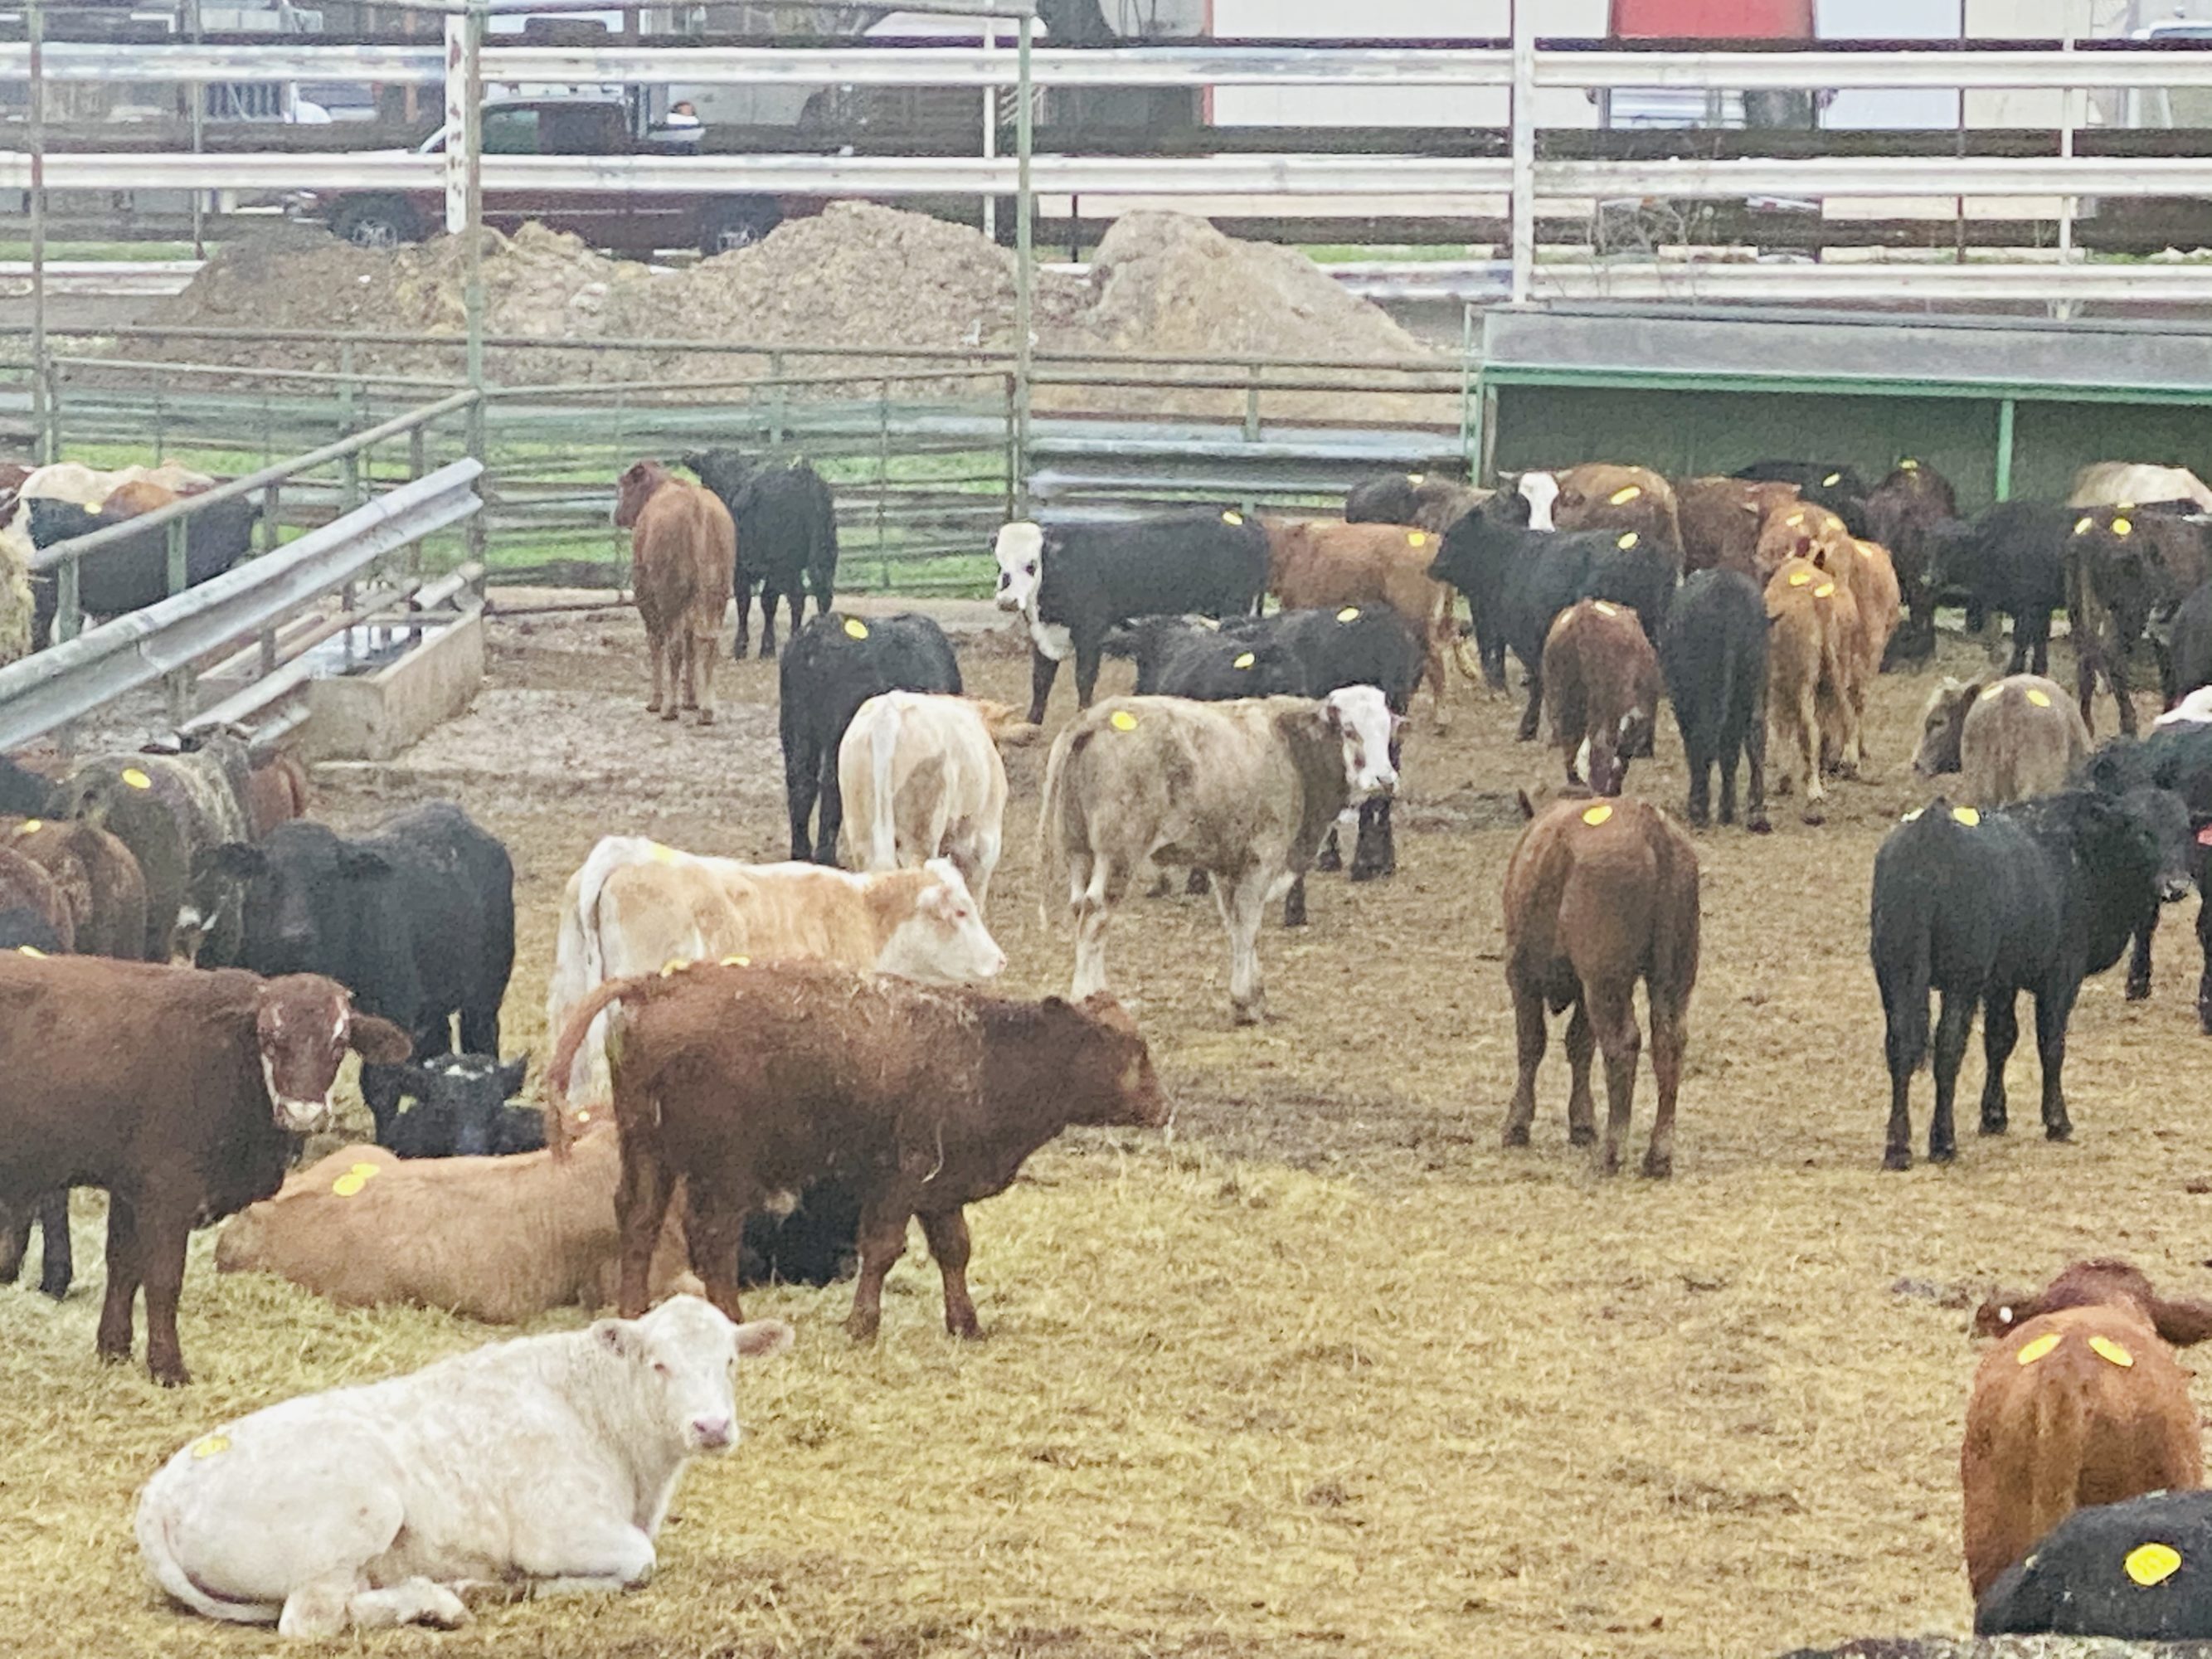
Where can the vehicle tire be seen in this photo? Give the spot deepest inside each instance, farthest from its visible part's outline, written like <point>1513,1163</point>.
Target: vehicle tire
<point>739,222</point>
<point>377,221</point>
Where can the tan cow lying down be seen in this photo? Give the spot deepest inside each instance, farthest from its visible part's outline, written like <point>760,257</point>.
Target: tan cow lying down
<point>922,779</point>
<point>636,906</point>
<point>544,1465</point>
<point>498,1239</point>
<point>1243,790</point>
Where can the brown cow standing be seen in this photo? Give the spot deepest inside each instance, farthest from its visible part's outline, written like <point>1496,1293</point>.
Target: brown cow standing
<point>683,550</point>
<point>1597,897</point>
<point>1864,625</point>
<point>743,1082</point>
<point>1808,672</point>
<point>139,496</point>
<point>30,895</point>
<point>2082,1403</point>
<point>1900,511</point>
<point>276,792</point>
<point>1600,495</point>
<point>1801,532</point>
<point>98,878</point>
<point>1721,519</point>
<point>1313,562</point>
<point>1602,688</point>
<point>178,1091</point>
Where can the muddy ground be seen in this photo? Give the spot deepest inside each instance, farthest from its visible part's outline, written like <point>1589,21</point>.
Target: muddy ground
<point>1325,1371</point>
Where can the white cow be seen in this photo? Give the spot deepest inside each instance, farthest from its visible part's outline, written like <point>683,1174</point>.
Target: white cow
<point>922,779</point>
<point>1541,491</point>
<point>635,906</point>
<point>1019,550</point>
<point>2111,483</point>
<point>548,1461</point>
<point>2195,710</point>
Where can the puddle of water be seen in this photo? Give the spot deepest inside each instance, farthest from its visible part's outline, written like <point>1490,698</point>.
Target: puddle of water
<point>365,650</point>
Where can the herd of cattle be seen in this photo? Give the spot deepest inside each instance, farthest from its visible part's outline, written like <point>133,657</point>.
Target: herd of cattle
<point>765,1070</point>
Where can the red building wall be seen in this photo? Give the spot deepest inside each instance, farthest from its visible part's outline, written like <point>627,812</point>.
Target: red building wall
<point>1713,20</point>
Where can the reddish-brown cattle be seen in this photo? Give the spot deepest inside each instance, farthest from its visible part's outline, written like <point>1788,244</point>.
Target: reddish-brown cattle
<point>1312,562</point>
<point>2082,1403</point>
<point>1799,531</point>
<point>98,876</point>
<point>139,496</point>
<point>178,1091</point>
<point>1601,687</point>
<point>1600,495</point>
<point>1863,627</point>
<point>276,792</point>
<point>1597,897</point>
<point>743,1082</point>
<point>1809,670</point>
<point>683,549</point>
<point>28,895</point>
<point>1721,520</point>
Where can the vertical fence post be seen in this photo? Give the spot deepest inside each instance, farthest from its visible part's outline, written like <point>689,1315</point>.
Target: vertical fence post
<point>270,507</point>
<point>179,681</point>
<point>1466,405</point>
<point>41,368</point>
<point>1524,149</point>
<point>197,92</point>
<point>883,475</point>
<point>1025,253</point>
<point>2005,409</point>
<point>69,610</point>
<point>1251,403</point>
<point>776,394</point>
<point>464,217</point>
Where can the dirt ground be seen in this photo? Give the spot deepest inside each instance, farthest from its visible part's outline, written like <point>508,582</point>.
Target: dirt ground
<point>1324,1370</point>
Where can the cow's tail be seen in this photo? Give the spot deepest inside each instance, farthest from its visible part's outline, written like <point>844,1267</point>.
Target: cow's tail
<point>645,988</point>
<point>157,1548</point>
<point>882,820</point>
<point>1904,947</point>
<point>580,959</point>
<point>1052,838</point>
<point>2060,1442</point>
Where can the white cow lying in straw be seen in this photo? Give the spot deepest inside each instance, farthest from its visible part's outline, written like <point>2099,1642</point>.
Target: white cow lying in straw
<point>548,1461</point>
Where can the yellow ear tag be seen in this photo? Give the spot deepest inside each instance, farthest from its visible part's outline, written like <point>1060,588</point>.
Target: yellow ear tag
<point>737,962</point>
<point>1825,590</point>
<point>30,826</point>
<point>1832,480</point>
<point>1908,464</point>
<point>1966,815</point>
<point>212,1445</point>
<point>2035,1350</point>
<point>1417,538</point>
<point>1350,613</point>
<point>1209,624</point>
<point>350,1184</point>
<point>1627,540</point>
<point>1913,814</point>
<point>2105,1349</point>
<point>583,1118</point>
<point>1795,520</point>
<point>1996,690</point>
<point>1232,518</point>
<point>1122,720</point>
<point>2083,525</point>
<point>2121,526</point>
<point>30,950</point>
<point>1605,610</point>
<point>673,966</point>
<point>1417,479</point>
<point>856,629</point>
<point>660,854</point>
<point>1597,814</point>
<point>2040,699</point>
<point>1244,661</point>
<point>2152,1564</point>
<point>1801,578</point>
<point>1626,494</point>
<point>137,778</point>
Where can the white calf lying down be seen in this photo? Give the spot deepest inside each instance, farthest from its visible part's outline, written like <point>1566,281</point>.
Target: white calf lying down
<point>548,1461</point>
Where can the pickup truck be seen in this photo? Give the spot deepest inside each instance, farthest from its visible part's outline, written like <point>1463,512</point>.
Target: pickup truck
<point>618,219</point>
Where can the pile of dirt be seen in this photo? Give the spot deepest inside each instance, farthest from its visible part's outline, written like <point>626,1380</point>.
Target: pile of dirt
<point>856,276</point>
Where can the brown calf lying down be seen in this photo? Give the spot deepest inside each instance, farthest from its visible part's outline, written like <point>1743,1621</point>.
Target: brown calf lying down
<point>2082,1403</point>
<point>499,1239</point>
<point>98,878</point>
<point>683,553</point>
<point>1313,562</point>
<point>1602,689</point>
<point>1599,894</point>
<point>745,1082</point>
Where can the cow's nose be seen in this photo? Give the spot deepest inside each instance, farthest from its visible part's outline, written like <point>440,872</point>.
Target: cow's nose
<point>711,1432</point>
<point>1386,783</point>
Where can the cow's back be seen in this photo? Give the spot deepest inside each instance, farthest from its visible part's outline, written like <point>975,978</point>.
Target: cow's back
<point>1209,785</point>
<point>703,910</point>
<point>2023,736</point>
<point>683,549</point>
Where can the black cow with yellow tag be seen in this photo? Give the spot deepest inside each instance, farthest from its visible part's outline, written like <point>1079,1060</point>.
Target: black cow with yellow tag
<point>2141,1570</point>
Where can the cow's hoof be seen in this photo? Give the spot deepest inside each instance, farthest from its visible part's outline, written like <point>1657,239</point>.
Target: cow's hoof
<point>1896,1158</point>
<point>654,707</point>
<point>1995,1126</point>
<point>768,654</point>
<point>1371,871</point>
<point>969,1329</point>
<point>2059,1130</point>
<point>1161,888</point>
<point>1813,816</point>
<point>1197,882</point>
<point>1702,820</point>
<point>1293,915</point>
<point>670,714</point>
<point>1581,1134</point>
<point>1657,1167</point>
<point>2138,990</point>
<point>706,717</point>
<point>1249,1013</point>
<point>1758,824</point>
<point>58,1289</point>
<point>1946,1153</point>
<point>170,1374</point>
<point>2204,1017</point>
<point>1329,859</point>
<point>861,1329</point>
<point>1513,1137</point>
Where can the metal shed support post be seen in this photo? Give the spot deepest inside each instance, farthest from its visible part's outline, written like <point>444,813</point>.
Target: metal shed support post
<point>2005,410</point>
<point>1524,149</point>
<point>1024,256</point>
<point>41,369</point>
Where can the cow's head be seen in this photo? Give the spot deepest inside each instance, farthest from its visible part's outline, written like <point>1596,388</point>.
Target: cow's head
<point>459,1099</point>
<point>1019,550</point>
<point>2163,817</point>
<point>1541,491</point>
<point>1365,726</point>
<point>304,1024</point>
<point>633,489</point>
<point>676,1364</point>
<point>1108,1064</point>
<point>304,896</point>
<point>941,938</point>
<point>1942,723</point>
<point>2182,1321</point>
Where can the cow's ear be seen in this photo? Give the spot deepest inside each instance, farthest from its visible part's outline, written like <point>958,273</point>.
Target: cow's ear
<point>757,1339</point>
<point>362,865</point>
<point>235,858</point>
<point>2183,1322</point>
<point>379,1041</point>
<point>618,1337</point>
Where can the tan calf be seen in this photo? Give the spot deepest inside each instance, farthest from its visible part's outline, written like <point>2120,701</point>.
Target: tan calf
<point>1600,495</point>
<point>1807,676</point>
<point>1797,531</point>
<point>1312,562</point>
<point>922,779</point>
<point>683,549</point>
<point>1602,689</point>
<point>1864,571</point>
<point>97,875</point>
<point>1722,518</point>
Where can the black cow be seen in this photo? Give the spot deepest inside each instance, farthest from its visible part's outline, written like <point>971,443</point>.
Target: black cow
<point>459,1108</point>
<point>2177,758</point>
<point>836,663</point>
<point>1072,584</point>
<point>135,573</point>
<point>1899,512</point>
<point>1835,485</point>
<point>172,812</point>
<point>1714,654</point>
<point>2185,641</point>
<point>786,523</point>
<point>417,919</point>
<point>2009,558</point>
<point>1982,906</point>
<point>24,794</point>
<point>813,1244</point>
<point>21,928</point>
<point>2140,1570</point>
<point>1517,580</point>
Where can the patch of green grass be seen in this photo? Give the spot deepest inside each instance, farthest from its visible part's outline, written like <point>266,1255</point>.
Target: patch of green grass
<point>1337,253</point>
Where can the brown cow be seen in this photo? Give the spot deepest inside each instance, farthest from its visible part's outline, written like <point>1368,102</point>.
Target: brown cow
<point>1721,519</point>
<point>1808,676</point>
<point>745,1081</point>
<point>178,1091</point>
<point>683,549</point>
<point>1801,531</point>
<point>2123,566</point>
<point>33,905</point>
<point>1600,495</point>
<point>1900,511</point>
<point>499,1239</point>
<point>2082,1403</point>
<point>1602,688</point>
<point>276,792</point>
<point>2014,739</point>
<point>1864,626</point>
<point>139,496</point>
<point>1312,562</point>
<point>98,878</point>
<point>1597,897</point>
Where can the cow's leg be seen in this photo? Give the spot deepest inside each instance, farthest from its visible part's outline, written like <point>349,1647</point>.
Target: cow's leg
<point>329,1607</point>
<point>112,1344</point>
<point>1754,755</point>
<point>1090,647</point>
<point>802,779</point>
<point>1952,1025</point>
<point>832,820</point>
<point>1897,1152</point>
<point>640,1211</point>
<point>1330,857</point>
<point>568,1549</point>
<point>2039,642</point>
<point>2054,1006</point>
<point>381,1085</point>
<point>2000,1032</point>
<point>1294,907</point>
<point>1582,1107</point>
<point>947,1233</point>
<point>654,652</point>
<point>882,1240</point>
<point>1043,671</point>
<point>1242,904</point>
<point>2085,678</point>
<point>1094,889</point>
<point>683,672</point>
<point>55,1260</point>
<point>1669,1038</point>
<point>1536,708</point>
<point>2116,671</point>
<point>742,593</point>
<point>703,664</point>
<point>2204,874</point>
<point>1612,1011</point>
<point>1698,758</point>
<point>1437,669</point>
<point>480,1028</point>
<point>771,591</point>
<point>164,1228</point>
<point>1808,754</point>
<point>1374,853</point>
<point>2139,956</point>
<point>1530,1040</point>
<point>16,1241</point>
<point>714,1230</point>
